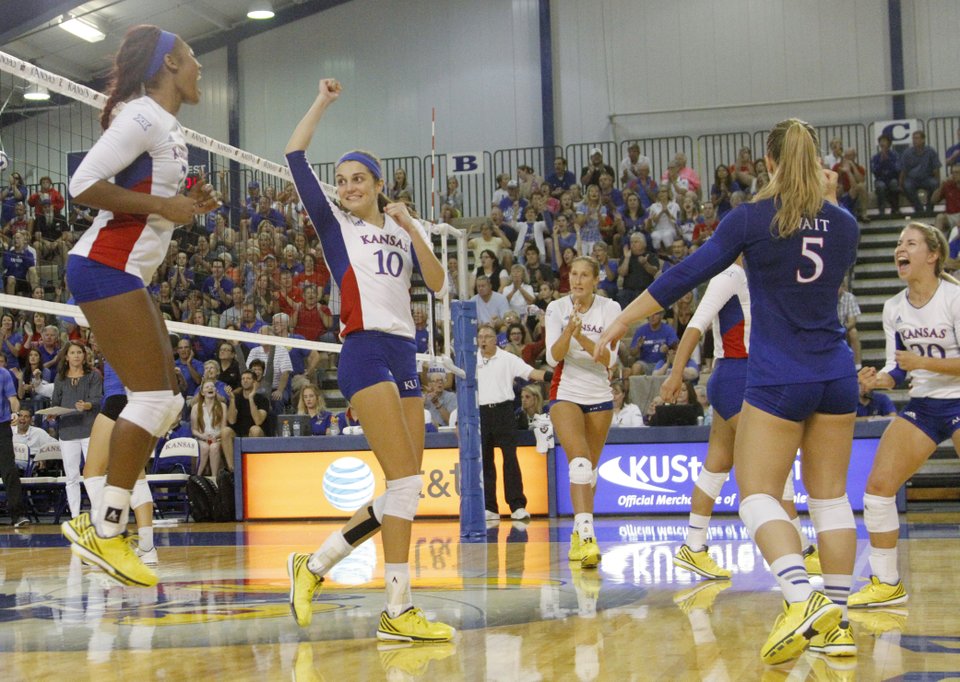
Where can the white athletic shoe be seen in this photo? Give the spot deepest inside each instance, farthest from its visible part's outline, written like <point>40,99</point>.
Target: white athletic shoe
<point>520,514</point>
<point>148,557</point>
<point>491,516</point>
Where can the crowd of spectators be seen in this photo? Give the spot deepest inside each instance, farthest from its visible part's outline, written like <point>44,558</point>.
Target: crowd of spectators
<point>256,265</point>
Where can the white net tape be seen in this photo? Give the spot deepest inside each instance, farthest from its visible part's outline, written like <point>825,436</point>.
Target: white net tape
<point>80,93</point>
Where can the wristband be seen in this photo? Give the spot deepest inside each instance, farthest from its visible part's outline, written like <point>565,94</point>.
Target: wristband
<point>548,376</point>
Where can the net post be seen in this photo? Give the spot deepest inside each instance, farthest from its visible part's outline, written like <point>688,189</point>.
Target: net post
<point>473,526</point>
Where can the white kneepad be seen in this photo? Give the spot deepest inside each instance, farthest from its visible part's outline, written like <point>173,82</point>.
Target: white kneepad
<point>402,497</point>
<point>377,504</point>
<point>788,489</point>
<point>758,509</point>
<point>581,471</point>
<point>833,514</point>
<point>711,482</point>
<point>880,513</point>
<point>153,411</point>
<point>141,494</point>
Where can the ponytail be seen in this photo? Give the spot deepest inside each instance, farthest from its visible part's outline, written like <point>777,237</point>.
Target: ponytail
<point>796,186</point>
<point>129,68</point>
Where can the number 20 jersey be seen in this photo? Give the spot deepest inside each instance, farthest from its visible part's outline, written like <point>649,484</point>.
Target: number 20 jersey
<point>931,331</point>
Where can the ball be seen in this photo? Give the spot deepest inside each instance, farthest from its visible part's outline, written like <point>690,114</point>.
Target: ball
<point>4,161</point>
<point>348,483</point>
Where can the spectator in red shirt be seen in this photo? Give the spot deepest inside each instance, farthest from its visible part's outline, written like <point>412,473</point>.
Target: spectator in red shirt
<point>852,181</point>
<point>314,272</point>
<point>949,191</point>
<point>47,195</point>
<point>312,319</point>
<point>288,296</point>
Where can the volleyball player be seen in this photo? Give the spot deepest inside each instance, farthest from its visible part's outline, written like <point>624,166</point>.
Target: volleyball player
<point>372,247</point>
<point>95,470</point>
<point>801,389</point>
<point>134,174</point>
<point>921,325</point>
<point>726,307</point>
<point>581,406</point>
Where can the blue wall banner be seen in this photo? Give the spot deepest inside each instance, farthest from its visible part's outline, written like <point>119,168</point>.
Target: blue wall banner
<point>658,478</point>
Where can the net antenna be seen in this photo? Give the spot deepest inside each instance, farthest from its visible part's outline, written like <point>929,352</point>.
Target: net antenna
<point>256,166</point>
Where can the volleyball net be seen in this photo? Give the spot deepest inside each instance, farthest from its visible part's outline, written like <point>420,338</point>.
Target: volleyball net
<point>260,233</point>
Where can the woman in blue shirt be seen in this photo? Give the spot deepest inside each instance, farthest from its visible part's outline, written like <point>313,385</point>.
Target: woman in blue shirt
<point>801,383</point>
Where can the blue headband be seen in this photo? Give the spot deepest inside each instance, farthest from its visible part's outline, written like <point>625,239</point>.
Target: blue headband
<point>372,165</point>
<point>164,46</point>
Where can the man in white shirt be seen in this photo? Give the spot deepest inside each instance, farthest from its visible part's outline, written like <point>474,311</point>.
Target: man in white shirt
<point>277,372</point>
<point>491,305</point>
<point>25,432</point>
<point>496,370</point>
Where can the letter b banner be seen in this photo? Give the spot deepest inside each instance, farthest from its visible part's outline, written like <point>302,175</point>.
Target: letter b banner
<point>465,163</point>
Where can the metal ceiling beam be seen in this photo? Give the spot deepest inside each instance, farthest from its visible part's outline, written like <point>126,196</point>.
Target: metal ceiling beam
<point>249,29</point>
<point>21,17</point>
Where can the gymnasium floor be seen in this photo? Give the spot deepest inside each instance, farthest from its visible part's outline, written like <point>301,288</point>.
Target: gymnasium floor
<point>221,611</point>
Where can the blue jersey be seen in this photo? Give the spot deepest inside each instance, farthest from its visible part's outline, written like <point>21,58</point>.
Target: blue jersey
<point>7,391</point>
<point>795,336</point>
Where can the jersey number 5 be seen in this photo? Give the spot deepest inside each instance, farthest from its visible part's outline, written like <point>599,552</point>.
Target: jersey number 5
<point>807,252</point>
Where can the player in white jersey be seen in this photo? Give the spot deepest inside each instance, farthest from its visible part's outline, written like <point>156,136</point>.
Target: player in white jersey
<point>134,174</point>
<point>726,308</point>
<point>581,398</point>
<point>922,326</point>
<point>371,246</point>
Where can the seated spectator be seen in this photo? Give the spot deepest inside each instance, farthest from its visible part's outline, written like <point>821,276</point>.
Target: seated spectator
<point>835,154</point>
<point>314,272</point>
<point>590,175</point>
<point>885,166</point>
<point>561,179</point>
<point>26,433</point>
<point>663,222</point>
<point>19,271</point>
<point>19,222</point>
<point>704,404</point>
<point>278,371</point>
<point>492,239</point>
<point>217,289</point>
<point>637,270</point>
<point>348,418</point>
<point>516,338</point>
<point>609,193</point>
<point>630,165</point>
<point>742,172</point>
<point>489,267</point>
<point>690,218</point>
<point>678,251</point>
<point>723,187</point>
<point>634,214</point>
<point>607,285</point>
<point>691,372</point>
<point>491,305</point>
<point>168,305</point>
<point>399,184</point>
<point>250,321</point>
<point>531,406</point>
<point>762,176</point>
<point>852,185</point>
<point>453,196</point>
<point>233,315</point>
<point>51,232</point>
<point>591,212</point>
<point>208,419</point>
<point>312,404</point>
<point>438,401</point>
<point>49,349</point>
<point>650,344</point>
<point>527,181</point>
<point>678,185</point>
<point>228,370</point>
<point>566,235</point>
<point>949,192</point>
<point>312,319</point>
<point>952,155</point>
<point>11,340</point>
<point>686,396</point>
<point>625,415</point>
<point>211,372</point>
<point>563,272</point>
<point>266,212</point>
<point>537,270</point>
<point>848,310</point>
<point>919,170</point>
<point>188,368</point>
<point>874,404</point>
<point>33,388</point>
<point>645,186</point>
<point>291,262</point>
<point>518,292</point>
<point>287,296</point>
<point>47,194</point>
<point>251,411</point>
<point>530,232</point>
<point>513,205</point>
<point>181,277</point>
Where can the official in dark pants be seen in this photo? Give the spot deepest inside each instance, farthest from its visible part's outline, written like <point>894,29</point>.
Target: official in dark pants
<point>496,370</point>
<point>10,405</point>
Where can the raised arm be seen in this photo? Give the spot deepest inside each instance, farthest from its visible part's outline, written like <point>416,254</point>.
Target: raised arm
<point>328,92</point>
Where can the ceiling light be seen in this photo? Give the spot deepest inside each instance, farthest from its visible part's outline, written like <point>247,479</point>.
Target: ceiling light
<point>36,93</point>
<point>260,10</point>
<point>82,28</point>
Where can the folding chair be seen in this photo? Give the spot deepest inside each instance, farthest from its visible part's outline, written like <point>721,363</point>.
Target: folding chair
<point>50,491</point>
<point>172,468</point>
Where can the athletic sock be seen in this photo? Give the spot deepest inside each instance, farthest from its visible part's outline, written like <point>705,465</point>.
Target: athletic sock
<point>146,538</point>
<point>837,588</point>
<point>697,534</point>
<point>397,578</point>
<point>333,550</point>
<point>792,577</point>
<point>94,486</point>
<point>583,525</point>
<point>114,512</point>
<point>804,540</point>
<point>883,564</point>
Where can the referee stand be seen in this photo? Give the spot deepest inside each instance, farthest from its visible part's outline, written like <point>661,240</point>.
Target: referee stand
<point>472,524</point>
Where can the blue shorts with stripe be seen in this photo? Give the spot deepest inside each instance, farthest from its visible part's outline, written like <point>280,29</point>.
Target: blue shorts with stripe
<point>372,357</point>
<point>89,280</point>
<point>726,386</point>
<point>796,402</point>
<point>938,418</point>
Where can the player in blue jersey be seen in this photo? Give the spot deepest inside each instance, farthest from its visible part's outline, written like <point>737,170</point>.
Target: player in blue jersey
<point>922,326</point>
<point>801,390</point>
<point>372,247</point>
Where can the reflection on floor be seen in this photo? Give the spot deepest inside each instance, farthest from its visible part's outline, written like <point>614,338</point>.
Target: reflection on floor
<point>522,613</point>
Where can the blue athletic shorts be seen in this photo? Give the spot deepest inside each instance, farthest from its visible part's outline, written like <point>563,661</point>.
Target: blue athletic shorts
<point>726,386</point>
<point>89,280</point>
<point>586,409</point>
<point>936,417</point>
<point>370,357</point>
<point>796,402</point>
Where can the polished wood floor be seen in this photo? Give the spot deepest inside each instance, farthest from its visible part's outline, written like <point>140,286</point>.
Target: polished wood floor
<point>221,609</point>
